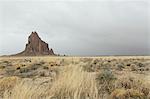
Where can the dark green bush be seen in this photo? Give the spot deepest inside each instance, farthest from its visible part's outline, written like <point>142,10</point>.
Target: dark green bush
<point>106,81</point>
<point>24,70</point>
<point>120,67</point>
<point>2,67</point>
<point>45,67</point>
<point>106,76</point>
<point>18,68</point>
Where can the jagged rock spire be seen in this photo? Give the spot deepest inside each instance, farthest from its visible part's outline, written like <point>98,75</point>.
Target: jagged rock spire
<point>36,46</point>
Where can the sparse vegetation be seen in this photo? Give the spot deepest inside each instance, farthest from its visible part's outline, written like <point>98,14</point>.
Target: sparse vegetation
<point>120,67</point>
<point>105,82</point>
<point>75,78</point>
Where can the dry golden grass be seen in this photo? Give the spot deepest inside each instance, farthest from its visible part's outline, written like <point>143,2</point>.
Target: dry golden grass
<point>27,89</point>
<point>7,83</point>
<point>74,78</point>
<point>71,83</point>
<point>74,83</point>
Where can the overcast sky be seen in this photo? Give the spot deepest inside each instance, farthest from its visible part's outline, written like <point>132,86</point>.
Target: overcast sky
<point>77,27</point>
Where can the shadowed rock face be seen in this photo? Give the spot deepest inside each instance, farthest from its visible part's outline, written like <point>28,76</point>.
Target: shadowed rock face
<point>36,47</point>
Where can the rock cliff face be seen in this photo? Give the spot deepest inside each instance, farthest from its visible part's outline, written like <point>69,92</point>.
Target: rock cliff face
<point>36,47</point>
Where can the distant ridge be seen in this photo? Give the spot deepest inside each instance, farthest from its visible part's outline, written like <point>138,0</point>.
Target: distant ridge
<point>35,47</point>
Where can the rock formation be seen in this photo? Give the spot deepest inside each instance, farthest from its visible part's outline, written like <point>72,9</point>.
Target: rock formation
<point>36,47</point>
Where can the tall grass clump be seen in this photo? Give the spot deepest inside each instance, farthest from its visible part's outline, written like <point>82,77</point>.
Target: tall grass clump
<point>7,83</point>
<point>71,83</point>
<point>28,89</point>
<point>74,83</point>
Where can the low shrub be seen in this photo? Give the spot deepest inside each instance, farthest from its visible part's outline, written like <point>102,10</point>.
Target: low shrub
<point>45,67</point>
<point>2,67</point>
<point>106,80</point>
<point>120,67</point>
<point>127,94</point>
<point>24,70</point>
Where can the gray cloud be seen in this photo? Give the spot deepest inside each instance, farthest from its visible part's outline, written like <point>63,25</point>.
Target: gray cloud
<point>105,27</point>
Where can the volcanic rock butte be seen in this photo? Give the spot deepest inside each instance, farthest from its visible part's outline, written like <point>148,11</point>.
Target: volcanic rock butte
<point>36,47</point>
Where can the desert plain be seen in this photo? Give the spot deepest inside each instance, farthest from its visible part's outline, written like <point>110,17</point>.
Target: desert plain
<point>56,77</point>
